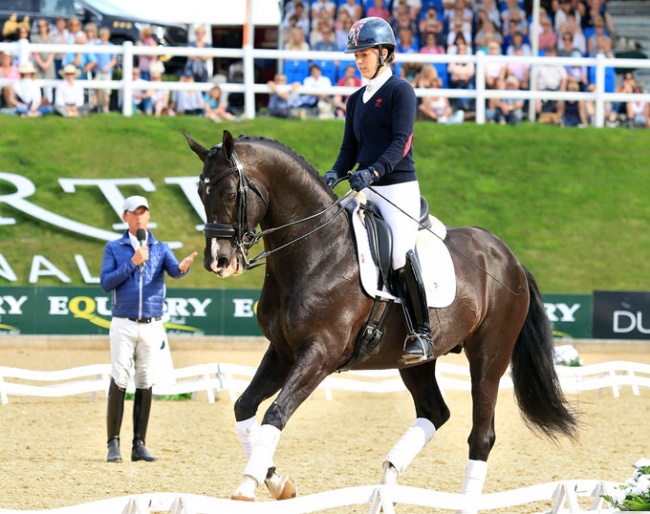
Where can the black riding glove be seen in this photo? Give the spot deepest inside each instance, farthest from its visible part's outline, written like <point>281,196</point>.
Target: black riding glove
<point>361,179</point>
<point>330,178</point>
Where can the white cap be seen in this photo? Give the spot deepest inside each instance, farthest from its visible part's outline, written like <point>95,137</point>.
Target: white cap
<point>132,203</point>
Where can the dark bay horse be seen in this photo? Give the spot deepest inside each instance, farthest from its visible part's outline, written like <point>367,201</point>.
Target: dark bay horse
<point>312,308</point>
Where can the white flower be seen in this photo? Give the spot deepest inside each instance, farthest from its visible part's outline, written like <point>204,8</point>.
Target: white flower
<point>642,463</point>
<point>642,485</point>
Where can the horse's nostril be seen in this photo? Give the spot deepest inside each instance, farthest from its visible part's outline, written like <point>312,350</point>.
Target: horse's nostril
<point>222,262</point>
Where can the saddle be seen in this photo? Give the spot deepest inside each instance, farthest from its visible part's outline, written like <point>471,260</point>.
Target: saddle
<point>381,239</point>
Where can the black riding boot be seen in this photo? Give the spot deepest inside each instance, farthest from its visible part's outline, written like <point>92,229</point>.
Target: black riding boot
<point>419,343</point>
<point>114,412</point>
<point>141,410</point>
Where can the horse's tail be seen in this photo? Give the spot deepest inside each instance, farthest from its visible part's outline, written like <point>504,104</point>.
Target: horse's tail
<point>537,387</point>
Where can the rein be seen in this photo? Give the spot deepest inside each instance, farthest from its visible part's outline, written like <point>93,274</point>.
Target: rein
<point>243,236</point>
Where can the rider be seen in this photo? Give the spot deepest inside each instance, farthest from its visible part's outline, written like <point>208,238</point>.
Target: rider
<point>378,134</point>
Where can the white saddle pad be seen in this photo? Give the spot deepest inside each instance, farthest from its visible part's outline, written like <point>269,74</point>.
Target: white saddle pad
<point>435,260</point>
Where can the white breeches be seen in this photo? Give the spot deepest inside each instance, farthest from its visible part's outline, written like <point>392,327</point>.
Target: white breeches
<point>404,227</point>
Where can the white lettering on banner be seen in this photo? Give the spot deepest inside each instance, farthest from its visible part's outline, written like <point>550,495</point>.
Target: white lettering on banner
<point>243,308</point>
<point>51,270</point>
<point>178,306</point>
<point>13,305</point>
<point>25,188</point>
<point>626,321</point>
<point>85,272</point>
<point>108,187</point>
<point>58,305</point>
<point>5,269</point>
<point>566,312</point>
<point>189,186</point>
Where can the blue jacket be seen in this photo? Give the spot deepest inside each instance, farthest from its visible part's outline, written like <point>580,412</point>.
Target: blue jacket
<point>137,293</point>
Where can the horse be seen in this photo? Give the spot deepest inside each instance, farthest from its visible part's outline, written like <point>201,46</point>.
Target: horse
<point>312,308</point>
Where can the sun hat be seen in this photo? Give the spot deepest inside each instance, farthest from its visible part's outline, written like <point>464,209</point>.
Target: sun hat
<point>26,68</point>
<point>132,203</point>
<point>69,69</point>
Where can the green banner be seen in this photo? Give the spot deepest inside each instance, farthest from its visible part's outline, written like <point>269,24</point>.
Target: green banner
<point>87,311</point>
<point>570,314</point>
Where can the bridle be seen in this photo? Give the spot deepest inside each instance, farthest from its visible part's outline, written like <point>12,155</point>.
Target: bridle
<point>245,237</point>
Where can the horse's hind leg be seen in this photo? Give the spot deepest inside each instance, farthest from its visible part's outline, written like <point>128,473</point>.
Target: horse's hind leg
<point>431,413</point>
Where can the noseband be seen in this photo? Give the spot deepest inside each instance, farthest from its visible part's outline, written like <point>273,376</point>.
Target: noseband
<point>242,234</point>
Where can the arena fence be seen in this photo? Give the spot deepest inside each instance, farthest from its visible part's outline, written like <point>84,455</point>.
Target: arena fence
<point>249,55</point>
<point>567,496</point>
<point>213,379</point>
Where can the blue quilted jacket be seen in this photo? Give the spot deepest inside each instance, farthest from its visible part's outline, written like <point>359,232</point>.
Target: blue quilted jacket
<point>137,293</point>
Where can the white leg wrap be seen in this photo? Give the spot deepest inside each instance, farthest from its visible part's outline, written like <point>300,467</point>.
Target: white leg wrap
<point>247,431</point>
<point>410,444</point>
<point>261,458</point>
<point>475,474</point>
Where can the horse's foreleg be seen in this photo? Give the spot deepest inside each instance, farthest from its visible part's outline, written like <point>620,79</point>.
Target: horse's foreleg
<point>432,413</point>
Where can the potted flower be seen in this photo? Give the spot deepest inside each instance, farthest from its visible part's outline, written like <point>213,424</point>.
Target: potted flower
<point>633,495</point>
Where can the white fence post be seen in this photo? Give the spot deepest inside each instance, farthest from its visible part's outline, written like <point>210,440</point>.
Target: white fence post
<point>480,88</point>
<point>127,78</point>
<point>600,90</point>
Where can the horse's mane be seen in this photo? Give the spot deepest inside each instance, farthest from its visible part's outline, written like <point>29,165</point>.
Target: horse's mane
<point>292,154</point>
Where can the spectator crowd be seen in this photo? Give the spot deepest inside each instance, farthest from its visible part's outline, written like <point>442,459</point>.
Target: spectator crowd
<point>567,28</point>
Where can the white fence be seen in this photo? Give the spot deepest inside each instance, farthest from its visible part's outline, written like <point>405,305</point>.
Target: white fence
<point>214,378</point>
<point>248,55</point>
<point>565,495</point>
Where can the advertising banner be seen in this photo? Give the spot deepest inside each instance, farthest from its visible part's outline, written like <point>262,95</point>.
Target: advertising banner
<point>87,311</point>
<point>621,315</point>
<point>570,314</point>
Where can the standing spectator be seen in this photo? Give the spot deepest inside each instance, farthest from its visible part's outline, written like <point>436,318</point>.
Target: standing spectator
<point>215,107</point>
<point>106,63</point>
<point>84,60</point>
<point>144,61</point>
<point>23,37</point>
<point>43,61</point>
<point>8,70</point>
<point>198,64</point>
<point>27,98</point>
<point>572,112</point>
<point>69,96</point>
<point>188,102</point>
<point>74,30</point>
<point>379,10</point>
<point>133,269</point>
<point>638,112</point>
<point>92,34</point>
<point>60,36</point>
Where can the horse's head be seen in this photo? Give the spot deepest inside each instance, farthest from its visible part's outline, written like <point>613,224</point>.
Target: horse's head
<point>231,217</point>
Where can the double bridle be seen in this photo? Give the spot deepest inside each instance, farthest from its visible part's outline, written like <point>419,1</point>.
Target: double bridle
<point>245,237</point>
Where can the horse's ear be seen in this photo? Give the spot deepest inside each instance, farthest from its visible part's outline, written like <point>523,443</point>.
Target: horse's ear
<point>227,144</point>
<point>199,150</point>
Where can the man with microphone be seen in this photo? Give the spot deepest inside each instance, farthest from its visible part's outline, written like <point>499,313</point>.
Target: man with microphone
<point>133,271</point>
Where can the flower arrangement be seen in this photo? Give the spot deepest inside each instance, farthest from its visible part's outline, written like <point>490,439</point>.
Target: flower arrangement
<point>567,355</point>
<point>633,495</point>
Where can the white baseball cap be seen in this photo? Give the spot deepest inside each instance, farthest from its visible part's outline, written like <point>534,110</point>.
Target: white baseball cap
<point>132,203</point>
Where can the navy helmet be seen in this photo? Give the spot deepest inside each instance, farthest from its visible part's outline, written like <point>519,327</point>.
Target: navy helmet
<point>371,32</point>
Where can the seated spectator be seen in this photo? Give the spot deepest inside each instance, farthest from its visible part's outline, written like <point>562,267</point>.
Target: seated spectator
<point>515,14</point>
<point>599,42</point>
<point>322,102</point>
<point>70,96</point>
<point>282,97</point>
<point>638,112</point>
<point>353,7</point>
<point>519,70</point>
<point>594,12</point>
<point>547,38</point>
<point>563,10</point>
<point>463,14</point>
<point>505,110</point>
<point>577,36</point>
<point>159,97</point>
<point>431,46</point>
<point>324,38</point>
<point>436,108</point>
<point>431,24</point>
<point>188,102</point>
<point>461,76</point>
<point>403,20</point>
<point>298,16</point>
<point>427,77</point>
<point>8,70</point>
<point>341,100</point>
<point>27,99</point>
<point>494,70</point>
<point>572,112</point>
<point>491,11</point>
<point>141,94</point>
<point>406,45</point>
<point>379,10</point>
<point>456,37</point>
<point>350,72</point>
<point>323,8</point>
<point>518,40</point>
<point>297,40</point>
<point>215,108</point>
<point>549,77</point>
<point>342,28</point>
<point>486,35</point>
<point>618,111</point>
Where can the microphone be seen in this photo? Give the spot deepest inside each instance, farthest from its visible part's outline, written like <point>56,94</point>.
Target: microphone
<point>141,236</point>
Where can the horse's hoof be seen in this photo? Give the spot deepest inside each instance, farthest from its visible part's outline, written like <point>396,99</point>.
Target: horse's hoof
<point>281,487</point>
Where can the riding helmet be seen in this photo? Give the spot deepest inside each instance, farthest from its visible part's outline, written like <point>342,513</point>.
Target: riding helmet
<point>370,32</point>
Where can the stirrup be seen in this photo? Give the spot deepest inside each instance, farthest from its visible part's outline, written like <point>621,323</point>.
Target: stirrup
<point>417,347</point>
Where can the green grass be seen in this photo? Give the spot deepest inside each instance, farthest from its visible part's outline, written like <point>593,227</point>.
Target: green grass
<point>572,204</point>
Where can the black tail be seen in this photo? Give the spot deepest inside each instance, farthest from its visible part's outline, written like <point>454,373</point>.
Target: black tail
<point>537,387</point>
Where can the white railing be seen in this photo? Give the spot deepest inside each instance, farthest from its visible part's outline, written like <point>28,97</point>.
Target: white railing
<point>248,55</point>
<point>565,496</point>
<point>234,378</point>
